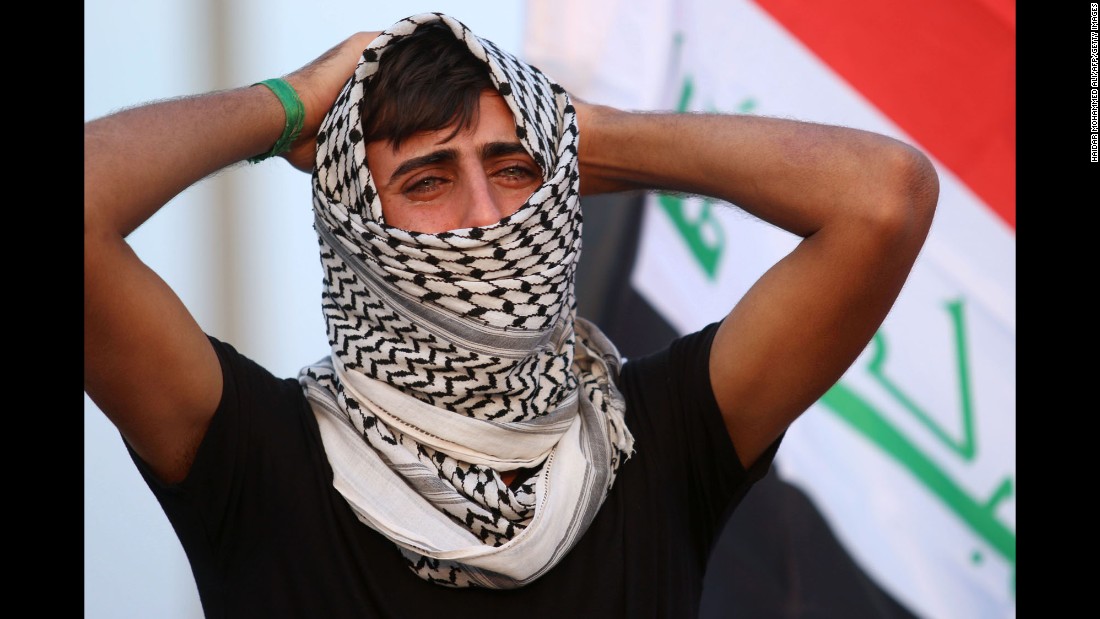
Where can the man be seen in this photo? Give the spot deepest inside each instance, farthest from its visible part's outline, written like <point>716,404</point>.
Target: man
<point>471,446</point>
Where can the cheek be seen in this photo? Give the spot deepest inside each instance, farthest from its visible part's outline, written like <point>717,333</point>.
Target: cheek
<point>515,204</point>
<point>512,199</point>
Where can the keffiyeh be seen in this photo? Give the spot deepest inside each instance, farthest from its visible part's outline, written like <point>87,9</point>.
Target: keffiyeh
<point>458,356</point>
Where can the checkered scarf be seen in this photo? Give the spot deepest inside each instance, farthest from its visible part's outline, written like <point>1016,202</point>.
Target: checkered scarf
<point>458,356</point>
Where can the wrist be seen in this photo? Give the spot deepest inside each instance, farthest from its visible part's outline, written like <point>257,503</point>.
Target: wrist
<point>293,117</point>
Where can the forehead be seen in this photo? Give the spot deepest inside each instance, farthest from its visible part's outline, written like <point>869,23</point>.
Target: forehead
<point>494,123</point>
<point>495,116</point>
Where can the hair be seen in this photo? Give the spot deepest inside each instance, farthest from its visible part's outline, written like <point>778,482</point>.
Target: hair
<point>427,81</point>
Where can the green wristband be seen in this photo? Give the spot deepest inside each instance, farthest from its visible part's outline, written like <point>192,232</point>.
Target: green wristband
<point>295,117</point>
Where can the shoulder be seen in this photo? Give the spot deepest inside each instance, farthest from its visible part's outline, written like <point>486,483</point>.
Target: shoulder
<point>255,407</point>
<point>676,375</point>
<point>670,404</point>
<point>254,400</point>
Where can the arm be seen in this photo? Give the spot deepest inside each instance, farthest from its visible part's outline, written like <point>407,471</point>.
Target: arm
<point>862,203</point>
<point>147,363</point>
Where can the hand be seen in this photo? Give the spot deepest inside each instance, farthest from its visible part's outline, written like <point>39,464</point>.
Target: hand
<point>318,84</point>
<point>597,176</point>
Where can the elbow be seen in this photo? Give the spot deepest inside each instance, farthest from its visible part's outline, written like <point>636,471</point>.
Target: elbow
<point>94,238</point>
<point>905,206</point>
<point>921,190</point>
<point>95,229</point>
<point>99,238</point>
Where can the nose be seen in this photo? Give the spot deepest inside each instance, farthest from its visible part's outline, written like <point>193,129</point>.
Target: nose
<point>483,204</point>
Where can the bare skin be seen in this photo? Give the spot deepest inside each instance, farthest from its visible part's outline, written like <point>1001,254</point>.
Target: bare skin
<point>475,178</point>
<point>862,203</point>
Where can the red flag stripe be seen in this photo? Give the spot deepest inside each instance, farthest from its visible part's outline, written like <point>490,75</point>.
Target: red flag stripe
<point>942,70</point>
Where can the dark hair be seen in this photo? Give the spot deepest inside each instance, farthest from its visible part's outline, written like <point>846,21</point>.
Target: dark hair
<point>427,81</point>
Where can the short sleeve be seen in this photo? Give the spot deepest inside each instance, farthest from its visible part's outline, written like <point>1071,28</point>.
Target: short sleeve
<point>681,438</point>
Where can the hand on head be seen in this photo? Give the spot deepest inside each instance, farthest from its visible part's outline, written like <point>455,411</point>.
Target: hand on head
<point>318,84</point>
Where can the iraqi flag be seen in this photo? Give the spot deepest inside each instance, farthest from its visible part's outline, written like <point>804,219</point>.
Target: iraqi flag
<point>895,494</point>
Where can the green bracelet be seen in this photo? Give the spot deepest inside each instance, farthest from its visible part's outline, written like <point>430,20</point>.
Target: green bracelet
<point>295,117</point>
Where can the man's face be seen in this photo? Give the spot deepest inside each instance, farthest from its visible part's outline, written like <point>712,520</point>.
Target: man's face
<point>476,178</point>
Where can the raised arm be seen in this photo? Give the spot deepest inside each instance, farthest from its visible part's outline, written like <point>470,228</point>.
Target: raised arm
<point>147,364</point>
<point>862,203</point>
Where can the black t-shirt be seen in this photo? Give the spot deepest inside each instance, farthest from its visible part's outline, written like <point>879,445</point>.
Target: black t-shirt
<point>268,536</point>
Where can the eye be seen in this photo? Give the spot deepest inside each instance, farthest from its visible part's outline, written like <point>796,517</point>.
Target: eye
<point>424,186</point>
<point>517,174</point>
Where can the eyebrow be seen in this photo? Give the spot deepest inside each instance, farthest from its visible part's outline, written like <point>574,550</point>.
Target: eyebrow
<point>432,158</point>
<point>499,149</point>
<point>487,151</point>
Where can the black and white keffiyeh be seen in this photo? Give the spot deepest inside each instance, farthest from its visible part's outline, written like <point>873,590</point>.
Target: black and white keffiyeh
<point>457,356</point>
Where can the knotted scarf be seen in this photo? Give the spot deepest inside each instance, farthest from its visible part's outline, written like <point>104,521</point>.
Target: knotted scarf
<point>458,356</point>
